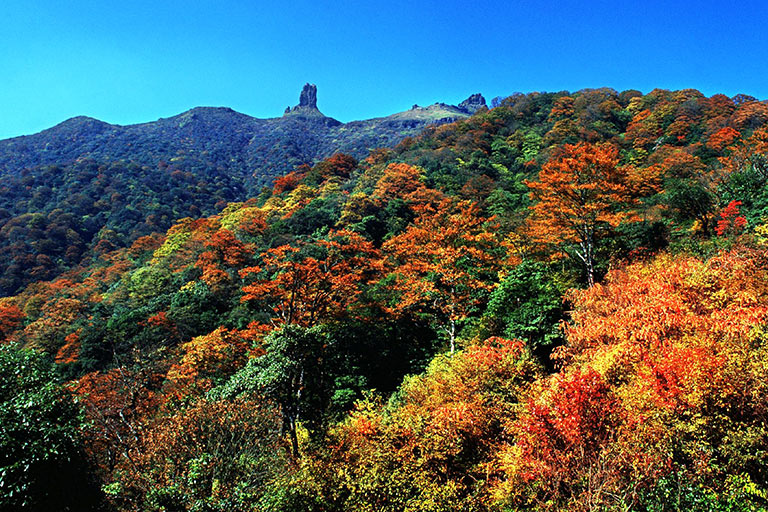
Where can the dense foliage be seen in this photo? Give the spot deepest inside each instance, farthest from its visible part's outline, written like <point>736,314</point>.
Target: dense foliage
<point>85,187</point>
<point>53,217</point>
<point>556,304</point>
<point>41,453</point>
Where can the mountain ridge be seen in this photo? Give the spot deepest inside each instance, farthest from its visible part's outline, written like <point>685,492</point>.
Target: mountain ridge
<point>258,149</point>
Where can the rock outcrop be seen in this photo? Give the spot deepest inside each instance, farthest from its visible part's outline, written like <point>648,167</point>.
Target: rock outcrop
<point>473,103</point>
<point>307,102</point>
<point>308,96</point>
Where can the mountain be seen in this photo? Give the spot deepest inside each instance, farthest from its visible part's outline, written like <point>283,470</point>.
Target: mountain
<point>256,358</point>
<point>204,138</point>
<point>86,185</point>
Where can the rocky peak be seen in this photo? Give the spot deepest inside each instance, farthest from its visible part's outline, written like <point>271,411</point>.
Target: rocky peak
<point>307,101</point>
<point>307,110</point>
<point>473,103</point>
<point>308,96</point>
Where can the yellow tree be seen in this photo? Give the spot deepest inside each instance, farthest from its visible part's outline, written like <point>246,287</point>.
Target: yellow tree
<point>428,451</point>
<point>581,192</point>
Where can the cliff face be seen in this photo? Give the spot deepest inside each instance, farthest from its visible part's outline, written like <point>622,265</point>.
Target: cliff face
<point>473,103</point>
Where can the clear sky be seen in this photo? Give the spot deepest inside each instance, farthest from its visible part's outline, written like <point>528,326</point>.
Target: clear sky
<point>132,61</point>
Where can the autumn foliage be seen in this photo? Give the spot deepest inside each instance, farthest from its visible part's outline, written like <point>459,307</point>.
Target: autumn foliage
<point>10,319</point>
<point>443,263</point>
<point>655,354</point>
<point>429,448</point>
<point>558,304</point>
<point>315,282</point>
<point>731,223</point>
<point>581,193</point>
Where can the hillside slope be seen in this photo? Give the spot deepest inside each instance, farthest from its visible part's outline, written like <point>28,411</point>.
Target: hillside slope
<point>84,182</point>
<point>418,330</point>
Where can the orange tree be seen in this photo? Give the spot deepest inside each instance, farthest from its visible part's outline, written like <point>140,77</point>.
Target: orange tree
<point>313,282</point>
<point>11,317</point>
<point>118,404</point>
<point>581,193</point>
<point>223,249</point>
<point>749,154</point>
<point>444,265</point>
<point>661,397</point>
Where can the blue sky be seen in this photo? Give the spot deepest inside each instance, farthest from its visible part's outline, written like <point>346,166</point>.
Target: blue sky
<point>135,60</point>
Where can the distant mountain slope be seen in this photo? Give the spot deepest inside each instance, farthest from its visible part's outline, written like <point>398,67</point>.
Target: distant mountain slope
<point>85,186</point>
<point>220,139</point>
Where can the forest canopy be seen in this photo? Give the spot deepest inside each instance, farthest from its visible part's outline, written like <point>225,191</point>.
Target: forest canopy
<point>559,303</point>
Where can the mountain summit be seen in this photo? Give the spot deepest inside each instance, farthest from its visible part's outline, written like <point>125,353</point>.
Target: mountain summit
<point>307,106</point>
<point>308,96</point>
<point>307,109</point>
<point>473,103</point>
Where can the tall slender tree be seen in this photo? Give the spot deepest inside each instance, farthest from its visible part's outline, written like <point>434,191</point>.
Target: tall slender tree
<point>444,265</point>
<point>581,193</point>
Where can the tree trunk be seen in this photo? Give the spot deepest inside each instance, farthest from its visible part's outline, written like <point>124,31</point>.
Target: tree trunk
<point>589,254</point>
<point>294,437</point>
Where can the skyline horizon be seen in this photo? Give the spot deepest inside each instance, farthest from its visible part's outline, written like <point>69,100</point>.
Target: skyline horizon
<point>129,63</point>
<point>488,99</point>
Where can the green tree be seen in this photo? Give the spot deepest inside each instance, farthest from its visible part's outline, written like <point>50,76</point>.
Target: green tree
<point>290,373</point>
<point>689,200</point>
<point>41,462</point>
<point>526,305</point>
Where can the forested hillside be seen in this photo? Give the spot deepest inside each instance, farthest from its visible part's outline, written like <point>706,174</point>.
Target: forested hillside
<point>84,186</point>
<point>557,304</point>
